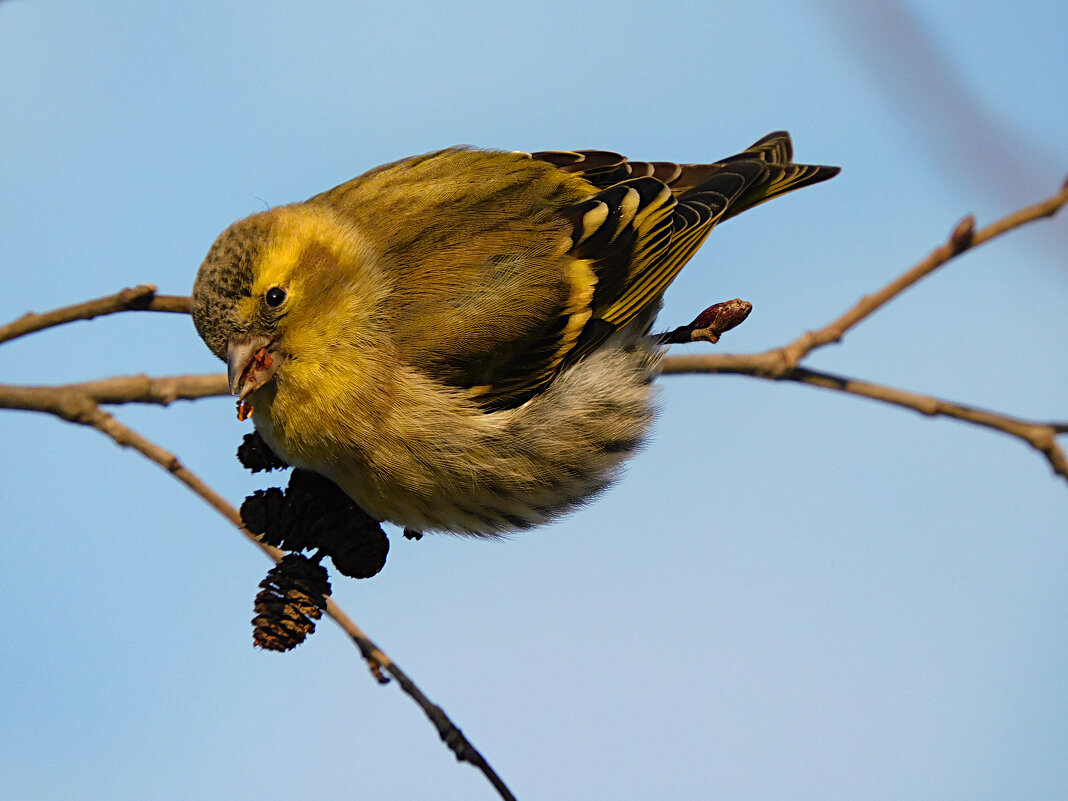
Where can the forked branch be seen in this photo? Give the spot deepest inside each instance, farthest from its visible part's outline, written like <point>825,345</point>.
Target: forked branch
<point>782,364</point>
<point>76,403</point>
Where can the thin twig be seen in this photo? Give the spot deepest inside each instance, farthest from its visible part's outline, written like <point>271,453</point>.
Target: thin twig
<point>139,298</point>
<point>781,364</point>
<point>963,238</point>
<point>161,391</point>
<point>1042,436</point>
<point>73,403</point>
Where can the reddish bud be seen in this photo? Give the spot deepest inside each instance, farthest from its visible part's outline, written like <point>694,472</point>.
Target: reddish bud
<point>961,238</point>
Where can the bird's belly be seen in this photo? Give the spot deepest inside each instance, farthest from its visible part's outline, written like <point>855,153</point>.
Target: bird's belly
<point>455,468</point>
<point>459,499</point>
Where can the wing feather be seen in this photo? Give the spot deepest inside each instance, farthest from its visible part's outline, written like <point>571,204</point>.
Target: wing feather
<point>632,282</point>
<point>508,267</point>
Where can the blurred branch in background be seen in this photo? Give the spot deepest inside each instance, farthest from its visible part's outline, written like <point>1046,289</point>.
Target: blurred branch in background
<point>978,147</point>
<point>81,403</point>
<point>893,46</point>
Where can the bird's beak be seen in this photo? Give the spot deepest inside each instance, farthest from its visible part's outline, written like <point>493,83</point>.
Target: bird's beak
<point>250,363</point>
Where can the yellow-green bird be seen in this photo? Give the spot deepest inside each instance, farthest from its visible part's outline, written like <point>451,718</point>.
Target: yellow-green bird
<point>460,340</point>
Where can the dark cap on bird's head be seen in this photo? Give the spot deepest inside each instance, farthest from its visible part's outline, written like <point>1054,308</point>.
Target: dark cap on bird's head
<point>225,276</point>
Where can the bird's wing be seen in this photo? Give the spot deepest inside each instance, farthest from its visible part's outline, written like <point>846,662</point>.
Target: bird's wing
<point>507,267</point>
<point>646,255</point>
<point>474,244</point>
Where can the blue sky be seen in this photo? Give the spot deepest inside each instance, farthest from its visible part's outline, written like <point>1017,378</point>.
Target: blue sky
<point>791,594</point>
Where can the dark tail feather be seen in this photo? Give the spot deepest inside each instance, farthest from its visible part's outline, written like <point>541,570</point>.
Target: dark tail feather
<point>775,151</point>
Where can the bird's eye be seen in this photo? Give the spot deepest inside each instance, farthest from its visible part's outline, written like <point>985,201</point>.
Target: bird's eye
<point>275,296</point>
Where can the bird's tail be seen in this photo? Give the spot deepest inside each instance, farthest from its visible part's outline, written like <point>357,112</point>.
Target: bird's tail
<point>781,175</point>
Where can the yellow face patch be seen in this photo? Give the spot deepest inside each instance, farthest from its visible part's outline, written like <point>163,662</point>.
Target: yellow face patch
<point>290,236</point>
<point>295,230</point>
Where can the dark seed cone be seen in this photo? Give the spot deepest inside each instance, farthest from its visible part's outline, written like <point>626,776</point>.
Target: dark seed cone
<point>336,525</point>
<point>314,513</point>
<point>260,510</point>
<point>256,455</point>
<point>292,597</point>
<point>357,545</point>
<point>279,518</point>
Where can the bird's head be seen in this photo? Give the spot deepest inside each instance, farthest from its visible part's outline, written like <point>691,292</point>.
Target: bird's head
<point>279,292</point>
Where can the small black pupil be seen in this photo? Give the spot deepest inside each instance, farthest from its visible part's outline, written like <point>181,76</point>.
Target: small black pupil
<point>275,296</point>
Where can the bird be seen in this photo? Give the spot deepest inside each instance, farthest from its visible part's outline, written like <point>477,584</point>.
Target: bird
<point>461,341</point>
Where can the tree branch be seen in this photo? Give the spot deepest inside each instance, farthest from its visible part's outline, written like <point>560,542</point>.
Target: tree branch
<point>964,238</point>
<point>119,389</point>
<point>1042,436</point>
<point>79,403</point>
<point>781,364</point>
<point>139,298</point>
